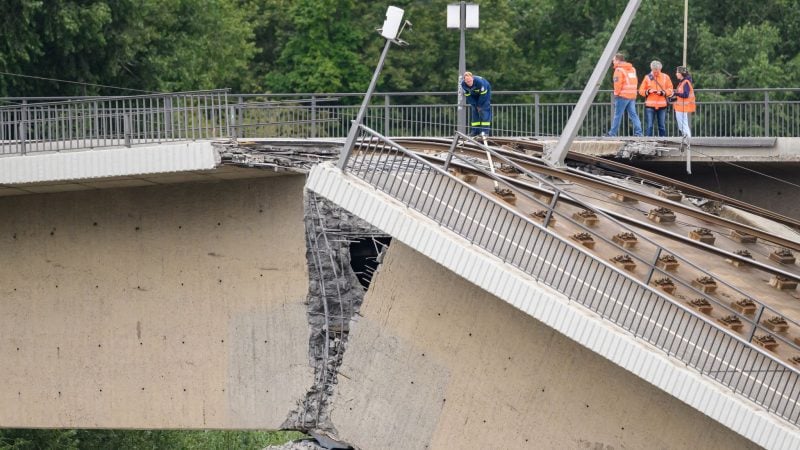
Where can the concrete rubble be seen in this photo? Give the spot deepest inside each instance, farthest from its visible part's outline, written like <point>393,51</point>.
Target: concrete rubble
<point>296,445</point>
<point>334,297</point>
<point>299,157</point>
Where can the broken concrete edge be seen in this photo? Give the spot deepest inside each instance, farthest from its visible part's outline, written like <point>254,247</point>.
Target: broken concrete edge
<point>291,156</point>
<point>553,309</point>
<point>334,298</point>
<point>671,149</point>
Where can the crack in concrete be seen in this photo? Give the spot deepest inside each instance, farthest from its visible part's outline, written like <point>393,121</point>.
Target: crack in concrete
<point>334,297</point>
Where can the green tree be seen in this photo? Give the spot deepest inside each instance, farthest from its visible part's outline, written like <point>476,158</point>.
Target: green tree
<point>24,439</point>
<point>322,50</point>
<point>38,440</point>
<point>149,45</point>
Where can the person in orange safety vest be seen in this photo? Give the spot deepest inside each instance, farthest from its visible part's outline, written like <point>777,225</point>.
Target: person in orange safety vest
<point>624,95</point>
<point>684,101</point>
<point>656,87</point>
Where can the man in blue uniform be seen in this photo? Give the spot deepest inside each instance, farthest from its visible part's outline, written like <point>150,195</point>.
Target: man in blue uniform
<point>478,93</point>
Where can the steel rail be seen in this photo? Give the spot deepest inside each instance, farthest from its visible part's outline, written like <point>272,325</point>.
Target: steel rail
<point>588,180</point>
<point>654,178</point>
<point>665,181</point>
<point>523,184</point>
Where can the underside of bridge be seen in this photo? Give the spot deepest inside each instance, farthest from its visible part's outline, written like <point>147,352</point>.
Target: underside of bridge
<point>241,297</point>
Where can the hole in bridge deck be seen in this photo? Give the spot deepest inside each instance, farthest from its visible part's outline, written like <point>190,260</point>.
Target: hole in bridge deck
<point>364,256</point>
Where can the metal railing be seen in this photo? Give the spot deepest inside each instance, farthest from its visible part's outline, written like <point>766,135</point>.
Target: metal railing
<point>646,245</point>
<point>720,113</point>
<point>112,121</point>
<point>54,124</point>
<point>596,284</point>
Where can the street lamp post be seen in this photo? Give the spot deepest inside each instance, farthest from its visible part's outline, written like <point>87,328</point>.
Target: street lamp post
<point>685,28</point>
<point>392,27</point>
<point>462,15</point>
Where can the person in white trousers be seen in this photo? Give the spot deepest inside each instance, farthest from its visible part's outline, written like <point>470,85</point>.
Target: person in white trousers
<point>684,101</point>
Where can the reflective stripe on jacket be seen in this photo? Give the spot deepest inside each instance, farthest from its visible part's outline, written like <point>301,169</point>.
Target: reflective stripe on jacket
<point>654,84</point>
<point>685,104</point>
<point>625,80</point>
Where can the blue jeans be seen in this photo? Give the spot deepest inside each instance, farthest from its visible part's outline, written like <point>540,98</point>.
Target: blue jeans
<point>620,106</point>
<point>481,120</point>
<point>661,115</point>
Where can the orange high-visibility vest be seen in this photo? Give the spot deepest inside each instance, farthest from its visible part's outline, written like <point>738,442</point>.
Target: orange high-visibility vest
<point>685,105</point>
<point>625,80</point>
<point>655,83</point>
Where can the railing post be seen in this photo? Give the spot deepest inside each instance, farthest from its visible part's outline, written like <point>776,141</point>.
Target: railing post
<point>232,114</point>
<point>755,323</point>
<point>240,119</point>
<point>96,132</point>
<point>23,126</point>
<point>168,117</point>
<point>313,116</point>
<point>536,112</point>
<point>386,103</point>
<point>456,138</point>
<point>127,130</point>
<point>550,209</point>
<point>223,111</point>
<point>766,114</point>
<point>653,266</point>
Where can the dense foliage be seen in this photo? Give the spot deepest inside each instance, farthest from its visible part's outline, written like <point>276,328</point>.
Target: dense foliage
<point>139,440</point>
<point>330,46</point>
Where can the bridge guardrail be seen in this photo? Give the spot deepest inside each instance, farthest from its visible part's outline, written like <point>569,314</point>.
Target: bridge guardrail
<point>653,252</point>
<point>113,121</point>
<point>615,296</point>
<point>53,124</point>
<point>720,113</point>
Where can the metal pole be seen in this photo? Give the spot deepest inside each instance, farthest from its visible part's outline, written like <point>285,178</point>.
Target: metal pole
<point>491,163</point>
<point>688,158</point>
<point>452,149</point>
<point>351,136</point>
<point>555,156</point>
<point>126,124</point>
<point>766,114</point>
<point>462,67</point>
<point>313,116</point>
<point>386,115</point>
<point>755,322</point>
<point>23,126</point>
<point>685,27</point>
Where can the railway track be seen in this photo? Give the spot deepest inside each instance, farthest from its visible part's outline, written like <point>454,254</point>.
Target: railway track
<point>517,146</point>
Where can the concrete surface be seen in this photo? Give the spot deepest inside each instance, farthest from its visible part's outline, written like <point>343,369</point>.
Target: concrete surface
<point>111,162</point>
<point>175,306</point>
<point>437,363</point>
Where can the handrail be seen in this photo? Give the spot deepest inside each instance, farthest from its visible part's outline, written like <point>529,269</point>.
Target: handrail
<point>113,121</point>
<point>596,284</point>
<point>390,93</point>
<point>531,113</point>
<point>73,100</point>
